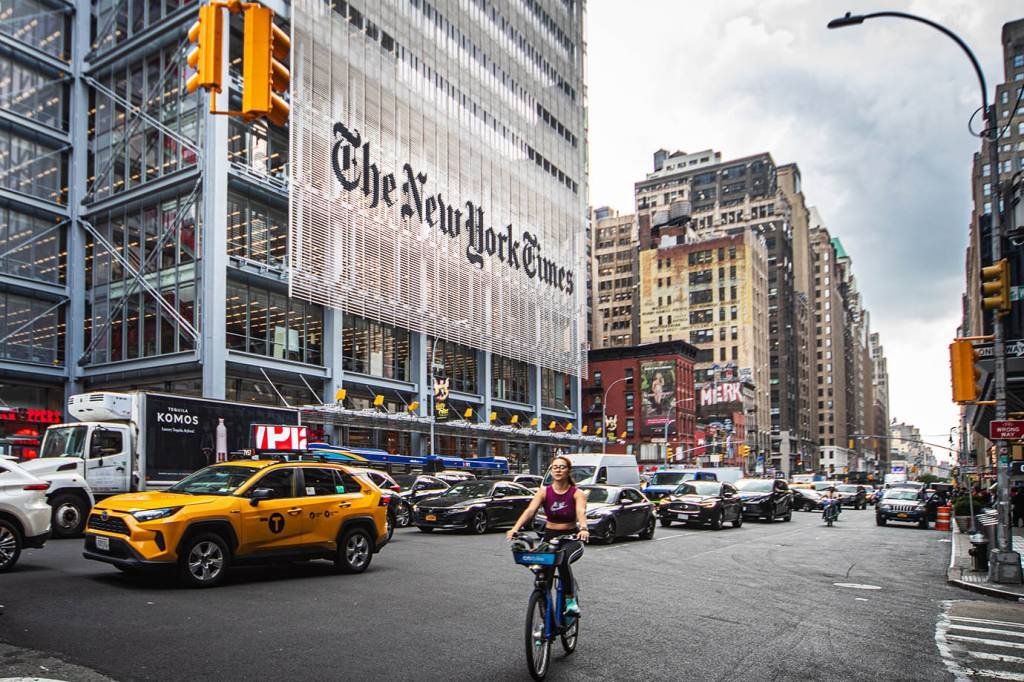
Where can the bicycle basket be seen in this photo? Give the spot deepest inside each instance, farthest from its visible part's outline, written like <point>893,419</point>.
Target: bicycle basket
<point>537,558</point>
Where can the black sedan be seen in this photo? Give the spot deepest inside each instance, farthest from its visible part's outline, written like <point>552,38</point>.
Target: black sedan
<point>614,512</point>
<point>472,505</point>
<point>806,499</point>
<point>766,498</point>
<point>704,502</point>
<point>414,488</point>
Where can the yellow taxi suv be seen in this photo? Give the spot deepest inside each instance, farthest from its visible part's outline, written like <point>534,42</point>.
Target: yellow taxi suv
<point>239,512</point>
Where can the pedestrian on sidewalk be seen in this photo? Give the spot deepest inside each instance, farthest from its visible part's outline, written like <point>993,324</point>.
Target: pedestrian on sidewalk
<point>1017,505</point>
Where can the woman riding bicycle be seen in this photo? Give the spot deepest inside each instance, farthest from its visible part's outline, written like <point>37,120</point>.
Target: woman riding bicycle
<point>566,509</point>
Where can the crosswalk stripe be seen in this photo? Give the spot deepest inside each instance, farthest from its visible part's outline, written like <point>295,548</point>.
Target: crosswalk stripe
<point>997,674</point>
<point>1003,658</point>
<point>990,642</point>
<point>984,621</point>
<point>972,628</point>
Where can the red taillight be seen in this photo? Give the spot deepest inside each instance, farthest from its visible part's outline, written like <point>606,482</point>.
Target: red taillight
<point>37,486</point>
<point>385,500</point>
<point>396,488</point>
<point>29,454</point>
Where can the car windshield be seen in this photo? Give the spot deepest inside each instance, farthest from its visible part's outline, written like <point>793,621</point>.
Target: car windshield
<point>469,489</point>
<point>755,485</point>
<point>699,488</point>
<point>598,495</point>
<point>64,441</point>
<point>669,477</point>
<point>215,480</point>
<point>578,474</point>
<point>903,494</point>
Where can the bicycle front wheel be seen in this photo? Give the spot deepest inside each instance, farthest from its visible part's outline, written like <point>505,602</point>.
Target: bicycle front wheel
<point>538,646</point>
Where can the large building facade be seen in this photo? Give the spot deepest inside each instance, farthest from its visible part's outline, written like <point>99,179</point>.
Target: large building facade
<point>613,272</point>
<point>149,244</point>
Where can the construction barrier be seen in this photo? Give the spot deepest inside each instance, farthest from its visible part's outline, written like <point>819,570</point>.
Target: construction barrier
<point>942,518</point>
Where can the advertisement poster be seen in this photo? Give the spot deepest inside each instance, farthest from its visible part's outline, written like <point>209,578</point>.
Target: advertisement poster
<point>658,391</point>
<point>181,433</point>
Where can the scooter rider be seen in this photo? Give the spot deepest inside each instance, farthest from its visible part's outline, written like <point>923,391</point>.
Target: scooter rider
<point>831,498</point>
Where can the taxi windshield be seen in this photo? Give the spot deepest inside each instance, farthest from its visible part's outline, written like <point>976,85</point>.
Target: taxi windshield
<point>215,480</point>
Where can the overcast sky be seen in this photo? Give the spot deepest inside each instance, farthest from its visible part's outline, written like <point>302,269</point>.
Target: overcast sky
<point>875,116</point>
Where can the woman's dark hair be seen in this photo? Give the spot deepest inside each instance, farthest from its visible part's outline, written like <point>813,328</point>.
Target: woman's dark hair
<point>567,463</point>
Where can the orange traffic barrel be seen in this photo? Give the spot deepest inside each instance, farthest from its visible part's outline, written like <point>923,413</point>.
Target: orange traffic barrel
<point>942,518</point>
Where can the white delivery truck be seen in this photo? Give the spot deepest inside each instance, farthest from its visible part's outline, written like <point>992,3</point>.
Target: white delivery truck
<point>137,441</point>
<point>589,468</point>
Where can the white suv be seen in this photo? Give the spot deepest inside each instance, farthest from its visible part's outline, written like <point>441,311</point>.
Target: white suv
<point>24,513</point>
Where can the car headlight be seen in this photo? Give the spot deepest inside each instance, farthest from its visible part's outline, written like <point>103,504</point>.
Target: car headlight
<point>709,503</point>
<point>887,507</point>
<point>154,514</point>
<point>458,510</point>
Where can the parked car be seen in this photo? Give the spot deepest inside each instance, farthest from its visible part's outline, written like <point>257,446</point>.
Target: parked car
<point>24,513</point>
<point>477,506</point>
<point>614,512</point>
<point>413,488</point>
<point>664,483</point>
<point>852,495</point>
<point>399,513</point>
<point>766,498</point>
<point>451,477</point>
<point>531,481</point>
<point>704,502</point>
<point>806,499</point>
<point>902,504</point>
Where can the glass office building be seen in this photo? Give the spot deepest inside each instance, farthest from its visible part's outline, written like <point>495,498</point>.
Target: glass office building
<point>146,243</point>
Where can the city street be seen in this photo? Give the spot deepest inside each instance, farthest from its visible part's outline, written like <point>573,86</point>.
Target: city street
<point>788,601</point>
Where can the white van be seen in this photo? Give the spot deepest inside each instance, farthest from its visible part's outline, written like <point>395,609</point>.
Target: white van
<point>603,469</point>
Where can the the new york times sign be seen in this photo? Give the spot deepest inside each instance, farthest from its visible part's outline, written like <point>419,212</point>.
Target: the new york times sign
<point>409,192</point>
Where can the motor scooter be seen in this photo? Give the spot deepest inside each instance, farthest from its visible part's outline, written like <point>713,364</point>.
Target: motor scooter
<point>830,513</point>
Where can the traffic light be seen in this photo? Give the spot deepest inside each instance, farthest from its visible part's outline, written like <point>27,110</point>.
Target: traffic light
<point>744,450</point>
<point>206,56</point>
<point>995,286</point>
<point>965,373</point>
<point>262,74</point>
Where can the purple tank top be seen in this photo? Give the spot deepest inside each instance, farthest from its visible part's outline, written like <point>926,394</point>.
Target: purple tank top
<point>560,507</point>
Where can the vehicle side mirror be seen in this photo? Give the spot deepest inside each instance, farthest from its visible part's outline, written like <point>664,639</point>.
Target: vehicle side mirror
<point>624,502</point>
<point>498,494</point>
<point>260,494</point>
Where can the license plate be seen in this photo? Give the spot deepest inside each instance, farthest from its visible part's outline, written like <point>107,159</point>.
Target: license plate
<point>103,543</point>
<point>431,517</point>
<point>682,515</point>
<point>901,516</point>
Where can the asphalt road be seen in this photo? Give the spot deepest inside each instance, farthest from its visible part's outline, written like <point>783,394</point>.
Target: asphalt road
<point>759,602</point>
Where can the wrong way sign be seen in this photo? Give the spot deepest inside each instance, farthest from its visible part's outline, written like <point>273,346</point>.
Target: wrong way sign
<point>1006,429</point>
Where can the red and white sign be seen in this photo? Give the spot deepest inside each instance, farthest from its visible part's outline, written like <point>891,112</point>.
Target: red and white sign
<point>1007,429</point>
<point>721,393</point>
<point>271,437</point>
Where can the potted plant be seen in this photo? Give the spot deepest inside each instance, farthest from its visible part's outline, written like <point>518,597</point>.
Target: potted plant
<point>962,512</point>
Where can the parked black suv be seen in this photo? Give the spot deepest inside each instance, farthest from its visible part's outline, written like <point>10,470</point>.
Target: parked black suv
<point>766,498</point>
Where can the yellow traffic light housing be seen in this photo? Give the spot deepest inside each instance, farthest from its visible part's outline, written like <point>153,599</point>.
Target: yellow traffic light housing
<point>206,57</point>
<point>262,74</point>
<point>965,374</point>
<point>995,286</point>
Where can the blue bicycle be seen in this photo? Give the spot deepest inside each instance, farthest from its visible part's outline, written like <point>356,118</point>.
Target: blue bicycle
<point>545,619</point>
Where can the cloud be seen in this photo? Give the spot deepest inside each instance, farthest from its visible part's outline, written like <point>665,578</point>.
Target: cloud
<point>875,116</point>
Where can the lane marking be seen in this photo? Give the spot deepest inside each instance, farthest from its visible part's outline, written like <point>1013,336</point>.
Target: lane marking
<point>974,628</point>
<point>857,586</point>
<point>985,621</point>
<point>997,674</point>
<point>945,651</point>
<point>989,642</point>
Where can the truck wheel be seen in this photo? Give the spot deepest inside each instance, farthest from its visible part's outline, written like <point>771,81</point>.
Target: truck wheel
<point>70,512</point>
<point>203,560</point>
<point>10,545</point>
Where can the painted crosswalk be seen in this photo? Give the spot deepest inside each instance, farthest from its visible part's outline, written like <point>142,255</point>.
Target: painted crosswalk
<point>981,641</point>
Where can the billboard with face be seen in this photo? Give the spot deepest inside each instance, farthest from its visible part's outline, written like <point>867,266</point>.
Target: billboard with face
<point>658,380</point>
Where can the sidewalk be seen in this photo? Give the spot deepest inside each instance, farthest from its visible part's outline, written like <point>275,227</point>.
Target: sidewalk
<point>961,575</point>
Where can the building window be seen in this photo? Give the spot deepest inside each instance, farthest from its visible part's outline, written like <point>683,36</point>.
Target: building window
<point>458,364</point>
<point>256,231</point>
<point>629,376</point>
<point>597,378</point>
<point>376,349</point>
<point>556,389</point>
<point>29,332</point>
<point>31,247</point>
<point>509,379</point>
<point>266,322</point>
<point>629,426</point>
<point>629,401</point>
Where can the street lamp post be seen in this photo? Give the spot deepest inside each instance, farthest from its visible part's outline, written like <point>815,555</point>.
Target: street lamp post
<point>1005,564</point>
<point>604,412</point>
<point>430,375</point>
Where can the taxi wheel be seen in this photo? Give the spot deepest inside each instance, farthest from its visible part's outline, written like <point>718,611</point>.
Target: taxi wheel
<point>354,551</point>
<point>203,560</point>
